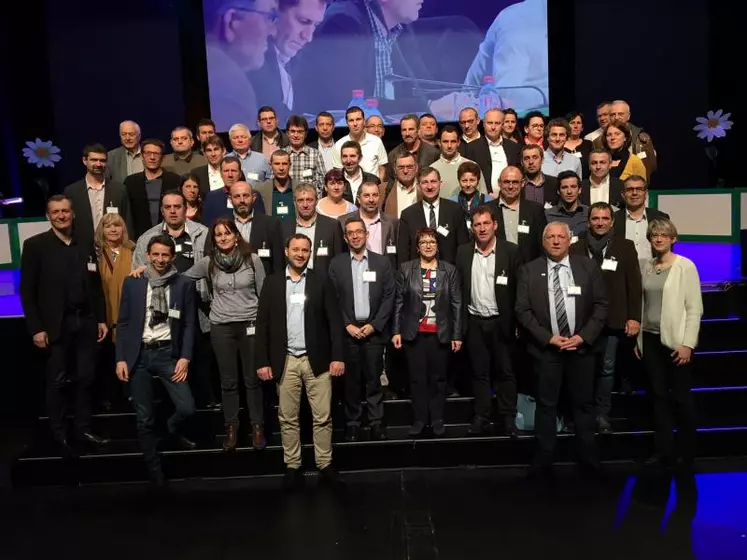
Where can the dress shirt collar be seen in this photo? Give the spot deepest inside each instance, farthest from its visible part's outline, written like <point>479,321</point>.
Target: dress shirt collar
<point>373,221</point>
<point>364,258</point>
<point>400,186</point>
<point>604,183</point>
<point>628,216</point>
<point>90,188</point>
<point>456,160</point>
<point>237,218</point>
<point>435,204</point>
<point>491,250</point>
<point>495,144</point>
<point>289,277</point>
<point>165,228</point>
<point>565,262</point>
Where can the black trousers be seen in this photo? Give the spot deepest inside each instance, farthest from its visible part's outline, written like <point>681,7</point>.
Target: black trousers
<point>231,341</point>
<point>77,344</point>
<point>673,400</point>
<point>427,361</point>
<point>201,370</point>
<point>364,362</point>
<point>577,367</point>
<point>489,352</point>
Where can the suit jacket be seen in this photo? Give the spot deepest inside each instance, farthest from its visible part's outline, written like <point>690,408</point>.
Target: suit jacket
<point>182,301</point>
<point>425,156</point>
<point>367,178</point>
<point>507,263</point>
<point>327,234</point>
<point>135,186</point>
<point>323,329</point>
<point>115,196</point>
<point>42,292</point>
<point>256,142</point>
<point>408,302</point>
<point>268,86</point>
<point>531,214</point>
<point>116,165</point>
<point>479,152</point>
<point>616,187</point>
<point>380,293</point>
<point>620,218</point>
<point>450,216</point>
<point>533,302</point>
<point>623,285</point>
<point>201,173</point>
<point>389,235</point>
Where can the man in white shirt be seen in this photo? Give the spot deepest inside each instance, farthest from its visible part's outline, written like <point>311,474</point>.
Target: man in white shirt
<point>449,162</point>
<point>374,158</point>
<point>603,119</point>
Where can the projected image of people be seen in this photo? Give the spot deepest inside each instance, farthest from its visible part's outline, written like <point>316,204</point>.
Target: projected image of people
<point>389,57</point>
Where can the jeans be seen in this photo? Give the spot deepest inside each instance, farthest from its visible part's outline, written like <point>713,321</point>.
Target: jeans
<point>157,363</point>
<point>605,380</point>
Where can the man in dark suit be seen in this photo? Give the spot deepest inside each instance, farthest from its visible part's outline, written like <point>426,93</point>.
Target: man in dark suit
<point>488,273</point>
<point>364,285</point>
<point>64,308</point>
<point>217,203</point>
<point>209,175</point>
<point>520,221</point>
<point>93,196</point>
<point>324,232</point>
<point>618,260</point>
<point>425,154</point>
<point>144,189</point>
<point>631,221</point>
<point>300,343</point>
<point>562,306</point>
<point>491,152</point>
<point>155,334</point>
<point>443,216</point>
<point>601,186</point>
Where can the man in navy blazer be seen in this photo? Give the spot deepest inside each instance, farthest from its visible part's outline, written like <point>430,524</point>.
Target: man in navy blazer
<point>155,336</point>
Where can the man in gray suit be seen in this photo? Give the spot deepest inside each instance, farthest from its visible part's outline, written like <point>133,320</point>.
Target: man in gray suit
<point>127,158</point>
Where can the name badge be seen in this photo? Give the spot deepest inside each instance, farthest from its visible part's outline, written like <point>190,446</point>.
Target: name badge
<point>175,313</point>
<point>322,252</point>
<point>443,230</point>
<point>178,248</point>
<point>501,280</point>
<point>252,177</point>
<point>574,239</point>
<point>306,173</point>
<point>548,205</point>
<point>91,267</point>
<point>281,210</point>
<point>574,290</point>
<point>250,331</point>
<point>263,253</point>
<point>577,154</point>
<point>522,228</point>
<point>369,276</point>
<point>469,224</point>
<point>391,249</point>
<point>229,204</point>
<point>112,210</point>
<point>297,299</point>
<point>609,264</point>
<point>642,155</point>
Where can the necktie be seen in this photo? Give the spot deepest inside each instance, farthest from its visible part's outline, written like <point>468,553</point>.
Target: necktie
<point>432,218</point>
<point>560,313</point>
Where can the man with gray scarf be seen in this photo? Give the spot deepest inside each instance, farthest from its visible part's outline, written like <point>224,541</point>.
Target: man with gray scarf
<point>155,338</point>
<point>618,259</point>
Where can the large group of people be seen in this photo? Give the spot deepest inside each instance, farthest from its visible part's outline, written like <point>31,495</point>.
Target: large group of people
<point>423,271</point>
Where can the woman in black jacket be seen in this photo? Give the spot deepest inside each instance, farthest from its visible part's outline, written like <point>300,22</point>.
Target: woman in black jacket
<point>428,323</point>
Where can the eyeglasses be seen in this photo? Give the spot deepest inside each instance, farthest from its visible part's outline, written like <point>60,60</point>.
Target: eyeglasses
<point>271,17</point>
<point>405,167</point>
<point>356,232</point>
<point>428,242</point>
<point>659,236</point>
<point>154,154</point>
<point>506,182</point>
<point>635,189</point>
<point>535,125</point>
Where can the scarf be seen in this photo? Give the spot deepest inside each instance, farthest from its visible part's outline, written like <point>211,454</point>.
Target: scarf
<point>229,263</point>
<point>622,155</point>
<point>597,245</point>
<point>472,204</point>
<point>159,307</point>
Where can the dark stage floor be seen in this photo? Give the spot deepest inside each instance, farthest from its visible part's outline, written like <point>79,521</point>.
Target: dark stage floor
<point>417,515</point>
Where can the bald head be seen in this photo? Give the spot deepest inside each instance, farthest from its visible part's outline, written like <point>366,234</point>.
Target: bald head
<point>242,198</point>
<point>511,182</point>
<point>493,123</point>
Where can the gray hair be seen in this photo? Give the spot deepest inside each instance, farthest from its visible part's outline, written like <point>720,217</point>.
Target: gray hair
<point>564,225</point>
<point>133,123</point>
<point>237,127</point>
<point>661,225</point>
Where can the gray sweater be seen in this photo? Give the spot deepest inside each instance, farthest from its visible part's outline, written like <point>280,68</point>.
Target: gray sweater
<point>235,297</point>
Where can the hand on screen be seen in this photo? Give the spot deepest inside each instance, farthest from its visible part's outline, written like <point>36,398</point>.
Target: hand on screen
<point>447,107</point>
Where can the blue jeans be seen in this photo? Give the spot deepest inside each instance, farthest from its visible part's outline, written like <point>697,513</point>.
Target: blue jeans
<point>605,374</point>
<point>157,363</point>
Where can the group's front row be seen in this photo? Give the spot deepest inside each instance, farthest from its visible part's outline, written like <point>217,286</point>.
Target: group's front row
<point>299,327</point>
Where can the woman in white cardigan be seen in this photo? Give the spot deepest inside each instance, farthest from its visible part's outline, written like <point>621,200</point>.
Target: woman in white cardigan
<point>672,308</point>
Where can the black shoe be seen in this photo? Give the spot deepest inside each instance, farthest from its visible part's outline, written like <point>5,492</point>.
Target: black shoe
<point>452,393</point>
<point>603,425</point>
<point>351,433</point>
<point>181,442</point>
<point>510,429</point>
<point>416,429</point>
<point>389,394</point>
<point>330,477</point>
<point>439,429</point>
<point>293,480</point>
<point>478,427</point>
<point>657,461</point>
<point>378,433</point>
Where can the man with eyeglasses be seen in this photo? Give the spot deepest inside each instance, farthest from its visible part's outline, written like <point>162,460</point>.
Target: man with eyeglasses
<point>270,137</point>
<point>126,159</point>
<point>306,163</point>
<point>182,160</point>
<point>375,126</point>
<point>469,122</point>
<point>145,189</point>
<point>401,191</point>
<point>236,36</point>
<point>631,221</point>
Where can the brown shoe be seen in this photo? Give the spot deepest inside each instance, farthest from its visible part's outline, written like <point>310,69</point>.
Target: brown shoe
<point>258,437</point>
<point>229,444</point>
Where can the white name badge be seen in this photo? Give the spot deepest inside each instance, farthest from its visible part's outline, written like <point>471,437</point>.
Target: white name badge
<point>391,250</point>
<point>522,228</point>
<point>112,210</point>
<point>574,239</point>
<point>501,280</point>
<point>178,248</point>
<point>91,267</point>
<point>574,290</point>
<point>322,252</point>
<point>307,173</point>
<point>469,224</point>
<point>548,205</point>
<point>281,210</point>
<point>443,231</point>
<point>369,276</point>
<point>252,177</point>
<point>229,204</point>
<point>264,253</point>
<point>641,155</point>
<point>250,331</point>
<point>297,299</point>
<point>609,264</point>
<point>175,313</point>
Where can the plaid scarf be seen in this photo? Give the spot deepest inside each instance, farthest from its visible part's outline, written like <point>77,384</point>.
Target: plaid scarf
<point>158,283</point>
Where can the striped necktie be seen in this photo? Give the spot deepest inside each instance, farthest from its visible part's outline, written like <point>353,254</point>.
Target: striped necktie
<point>432,217</point>
<point>560,313</point>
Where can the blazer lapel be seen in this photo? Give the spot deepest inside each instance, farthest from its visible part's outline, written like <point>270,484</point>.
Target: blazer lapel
<point>141,296</point>
<point>386,232</point>
<point>577,299</point>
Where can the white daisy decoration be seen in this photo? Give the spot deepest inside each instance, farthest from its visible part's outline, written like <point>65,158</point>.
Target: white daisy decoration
<point>42,154</point>
<point>713,125</point>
